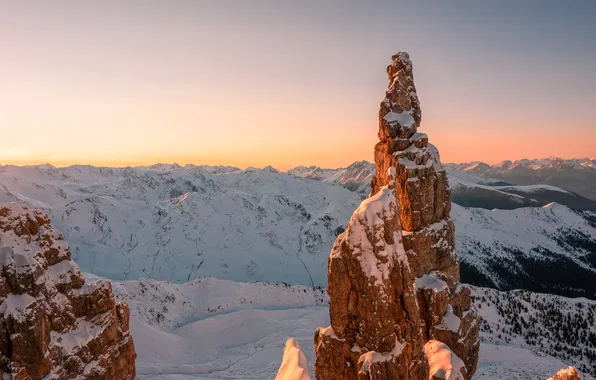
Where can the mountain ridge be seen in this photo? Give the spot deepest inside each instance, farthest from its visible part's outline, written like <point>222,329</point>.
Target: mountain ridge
<point>577,174</point>
<point>468,188</point>
<point>195,221</point>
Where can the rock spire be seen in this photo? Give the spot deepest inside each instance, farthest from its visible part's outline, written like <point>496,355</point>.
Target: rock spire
<point>52,324</point>
<point>397,309</point>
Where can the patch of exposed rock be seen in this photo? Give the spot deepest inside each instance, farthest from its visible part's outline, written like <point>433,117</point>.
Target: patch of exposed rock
<point>569,373</point>
<point>397,309</point>
<point>53,324</point>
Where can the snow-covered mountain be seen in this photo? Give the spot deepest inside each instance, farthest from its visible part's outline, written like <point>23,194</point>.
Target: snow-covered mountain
<point>576,175</point>
<point>179,223</point>
<point>467,188</point>
<point>210,328</point>
<point>356,177</point>
<point>472,190</point>
<point>546,249</point>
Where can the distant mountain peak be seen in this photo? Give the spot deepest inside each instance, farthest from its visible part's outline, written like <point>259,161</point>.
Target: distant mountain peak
<point>162,166</point>
<point>270,169</point>
<point>574,174</point>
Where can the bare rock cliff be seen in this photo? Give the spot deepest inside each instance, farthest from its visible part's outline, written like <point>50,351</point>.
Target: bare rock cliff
<point>397,309</point>
<point>52,324</point>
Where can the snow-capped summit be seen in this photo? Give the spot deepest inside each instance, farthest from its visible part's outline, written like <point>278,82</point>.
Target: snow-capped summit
<point>356,177</point>
<point>161,166</point>
<point>270,169</point>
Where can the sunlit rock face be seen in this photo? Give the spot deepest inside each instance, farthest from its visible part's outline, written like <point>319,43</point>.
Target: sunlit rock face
<point>569,373</point>
<point>397,309</point>
<point>53,325</point>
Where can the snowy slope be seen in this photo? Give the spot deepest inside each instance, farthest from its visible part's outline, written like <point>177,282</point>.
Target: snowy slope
<point>217,329</point>
<point>549,249</point>
<point>174,223</point>
<point>546,324</point>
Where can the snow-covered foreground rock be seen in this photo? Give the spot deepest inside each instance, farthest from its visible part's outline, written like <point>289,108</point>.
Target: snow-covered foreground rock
<point>54,324</point>
<point>217,329</point>
<point>175,223</point>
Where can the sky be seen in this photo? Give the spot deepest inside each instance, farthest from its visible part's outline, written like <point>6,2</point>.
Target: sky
<point>287,83</point>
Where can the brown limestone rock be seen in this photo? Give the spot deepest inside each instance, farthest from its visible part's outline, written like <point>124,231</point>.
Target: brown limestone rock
<point>53,324</point>
<point>393,274</point>
<point>569,373</point>
<point>423,192</point>
<point>374,318</point>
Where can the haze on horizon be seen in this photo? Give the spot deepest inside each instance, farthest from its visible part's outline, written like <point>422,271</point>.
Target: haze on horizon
<point>290,83</point>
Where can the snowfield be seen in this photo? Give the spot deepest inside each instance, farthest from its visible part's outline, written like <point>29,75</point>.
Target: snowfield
<point>218,329</point>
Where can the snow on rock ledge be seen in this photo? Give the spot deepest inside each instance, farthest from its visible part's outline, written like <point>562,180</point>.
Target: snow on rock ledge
<point>293,365</point>
<point>54,326</point>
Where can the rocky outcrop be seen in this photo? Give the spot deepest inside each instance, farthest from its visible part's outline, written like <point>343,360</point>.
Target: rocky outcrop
<point>397,309</point>
<point>569,373</point>
<point>374,317</point>
<point>53,324</point>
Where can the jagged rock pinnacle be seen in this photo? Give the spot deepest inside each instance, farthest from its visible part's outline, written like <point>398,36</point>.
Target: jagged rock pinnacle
<point>399,114</point>
<point>397,309</point>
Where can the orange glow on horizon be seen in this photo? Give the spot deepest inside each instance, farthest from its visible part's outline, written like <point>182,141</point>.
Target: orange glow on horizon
<point>123,83</point>
<point>453,147</point>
